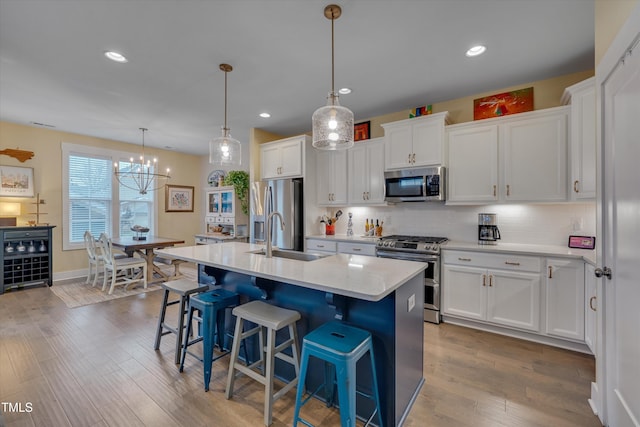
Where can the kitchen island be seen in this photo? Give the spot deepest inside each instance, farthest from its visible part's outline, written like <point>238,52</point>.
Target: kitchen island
<point>383,296</point>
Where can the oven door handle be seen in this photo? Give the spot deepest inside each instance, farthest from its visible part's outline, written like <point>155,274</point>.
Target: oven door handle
<point>409,256</point>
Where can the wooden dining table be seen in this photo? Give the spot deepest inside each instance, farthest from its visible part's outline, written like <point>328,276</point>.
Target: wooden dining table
<point>145,248</point>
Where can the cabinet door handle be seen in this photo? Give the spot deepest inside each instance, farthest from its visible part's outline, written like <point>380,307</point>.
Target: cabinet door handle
<point>368,195</point>
<point>484,280</point>
<point>409,158</point>
<point>357,249</point>
<point>508,190</point>
<point>363,195</point>
<point>320,246</point>
<point>494,190</point>
<point>550,272</point>
<point>491,280</point>
<point>575,186</point>
<point>413,158</point>
<point>591,300</point>
<point>464,259</point>
<point>511,263</point>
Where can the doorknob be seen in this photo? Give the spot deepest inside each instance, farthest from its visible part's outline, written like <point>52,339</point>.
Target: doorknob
<point>604,271</point>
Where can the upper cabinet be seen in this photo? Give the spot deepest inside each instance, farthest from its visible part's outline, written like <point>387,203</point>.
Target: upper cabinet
<point>283,158</point>
<point>415,142</point>
<point>331,177</point>
<point>366,172</point>
<point>519,158</point>
<point>582,146</point>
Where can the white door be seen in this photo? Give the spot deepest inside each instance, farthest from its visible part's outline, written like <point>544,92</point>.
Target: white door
<point>464,291</point>
<point>620,94</point>
<point>565,298</point>
<point>513,299</point>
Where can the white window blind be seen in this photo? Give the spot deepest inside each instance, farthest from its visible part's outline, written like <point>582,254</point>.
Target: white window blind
<point>90,196</point>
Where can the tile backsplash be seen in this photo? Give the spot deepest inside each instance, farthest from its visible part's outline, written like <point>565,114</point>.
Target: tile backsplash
<point>544,224</point>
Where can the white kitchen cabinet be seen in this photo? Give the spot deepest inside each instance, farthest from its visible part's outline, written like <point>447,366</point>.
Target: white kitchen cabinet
<point>357,248</point>
<point>415,142</point>
<point>473,164</point>
<point>565,298</point>
<point>474,288</point>
<point>331,177</point>
<point>322,245</point>
<point>534,153</point>
<point>591,307</point>
<point>366,173</point>
<point>582,144</point>
<point>520,158</point>
<point>283,158</point>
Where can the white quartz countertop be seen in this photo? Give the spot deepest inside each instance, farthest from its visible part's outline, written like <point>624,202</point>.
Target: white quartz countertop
<point>524,249</point>
<point>219,236</point>
<point>344,238</point>
<point>358,276</point>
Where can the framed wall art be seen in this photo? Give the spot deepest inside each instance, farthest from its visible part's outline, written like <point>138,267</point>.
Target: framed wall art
<point>178,198</point>
<point>503,104</point>
<point>361,131</point>
<point>16,181</point>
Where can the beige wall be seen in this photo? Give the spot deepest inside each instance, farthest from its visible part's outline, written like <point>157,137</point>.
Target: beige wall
<point>47,166</point>
<point>546,94</point>
<point>610,15</point>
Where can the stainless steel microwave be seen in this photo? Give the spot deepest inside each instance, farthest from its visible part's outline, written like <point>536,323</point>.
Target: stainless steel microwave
<point>415,185</point>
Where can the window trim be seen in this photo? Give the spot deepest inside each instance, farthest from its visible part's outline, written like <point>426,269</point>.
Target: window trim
<point>114,156</point>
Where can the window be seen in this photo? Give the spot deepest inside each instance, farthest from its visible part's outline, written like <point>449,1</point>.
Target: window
<point>93,200</point>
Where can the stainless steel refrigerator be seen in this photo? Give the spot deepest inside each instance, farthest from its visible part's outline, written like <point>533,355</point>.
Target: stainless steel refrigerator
<point>284,196</point>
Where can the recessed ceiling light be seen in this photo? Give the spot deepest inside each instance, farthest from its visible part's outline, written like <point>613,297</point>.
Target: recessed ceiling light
<point>344,91</point>
<point>115,56</point>
<point>265,115</point>
<point>476,50</point>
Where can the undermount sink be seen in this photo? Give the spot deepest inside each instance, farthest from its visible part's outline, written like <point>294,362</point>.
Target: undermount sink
<point>298,256</point>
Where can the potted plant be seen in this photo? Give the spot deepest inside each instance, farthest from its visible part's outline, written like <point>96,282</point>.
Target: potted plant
<point>240,182</point>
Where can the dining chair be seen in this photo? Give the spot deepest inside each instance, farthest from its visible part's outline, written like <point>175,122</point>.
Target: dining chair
<point>116,265</point>
<point>95,258</point>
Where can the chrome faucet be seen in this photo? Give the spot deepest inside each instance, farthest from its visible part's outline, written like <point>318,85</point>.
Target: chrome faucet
<point>267,231</point>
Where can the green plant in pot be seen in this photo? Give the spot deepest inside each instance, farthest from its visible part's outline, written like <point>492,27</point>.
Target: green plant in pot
<point>240,182</point>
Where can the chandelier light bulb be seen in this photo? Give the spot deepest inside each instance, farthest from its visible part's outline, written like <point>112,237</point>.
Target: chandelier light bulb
<point>225,150</point>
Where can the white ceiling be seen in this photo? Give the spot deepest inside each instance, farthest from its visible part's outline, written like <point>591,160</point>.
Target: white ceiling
<point>395,55</point>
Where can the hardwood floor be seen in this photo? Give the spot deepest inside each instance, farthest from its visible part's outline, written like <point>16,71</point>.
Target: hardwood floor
<point>95,366</point>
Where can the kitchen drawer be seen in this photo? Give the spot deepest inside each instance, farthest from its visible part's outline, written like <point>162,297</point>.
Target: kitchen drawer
<point>356,248</point>
<point>493,260</point>
<point>25,235</point>
<point>321,245</point>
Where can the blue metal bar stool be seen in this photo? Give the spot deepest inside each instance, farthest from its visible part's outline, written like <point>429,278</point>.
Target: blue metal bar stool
<point>211,306</point>
<point>272,319</point>
<point>184,288</point>
<point>342,346</point>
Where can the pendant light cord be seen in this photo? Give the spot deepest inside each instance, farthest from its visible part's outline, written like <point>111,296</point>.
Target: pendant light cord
<point>225,100</point>
<point>333,89</point>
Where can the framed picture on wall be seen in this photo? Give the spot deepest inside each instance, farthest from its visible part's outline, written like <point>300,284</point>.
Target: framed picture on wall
<point>16,181</point>
<point>361,131</point>
<point>178,198</point>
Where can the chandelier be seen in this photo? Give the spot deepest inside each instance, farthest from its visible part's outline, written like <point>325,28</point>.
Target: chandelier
<point>332,124</point>
<point>225,149</point>
<point>142,176</point>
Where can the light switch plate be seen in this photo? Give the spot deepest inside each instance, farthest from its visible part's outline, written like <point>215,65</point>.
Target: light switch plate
<point>411,302</point>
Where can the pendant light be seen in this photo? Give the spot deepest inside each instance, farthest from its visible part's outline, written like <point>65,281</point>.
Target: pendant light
<point>332,124</point>
<point>141,176</point>
<point>225,150</point>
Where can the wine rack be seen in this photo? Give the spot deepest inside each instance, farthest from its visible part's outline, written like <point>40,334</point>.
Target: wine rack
<point>25,256</point>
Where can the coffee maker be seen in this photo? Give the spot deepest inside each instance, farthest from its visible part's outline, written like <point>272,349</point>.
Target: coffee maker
<point>488,233</point>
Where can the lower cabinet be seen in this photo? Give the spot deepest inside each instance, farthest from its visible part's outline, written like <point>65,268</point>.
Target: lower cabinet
<point>509,298</point>
<point>328,246</point>
<point>565,298</point>
<point>541,295</point>
<point>591,307</point>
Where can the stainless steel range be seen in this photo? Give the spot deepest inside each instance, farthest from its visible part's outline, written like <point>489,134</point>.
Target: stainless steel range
<point>423,249</point>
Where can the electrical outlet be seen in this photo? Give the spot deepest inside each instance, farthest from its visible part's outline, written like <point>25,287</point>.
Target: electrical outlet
<point>411,302</point>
